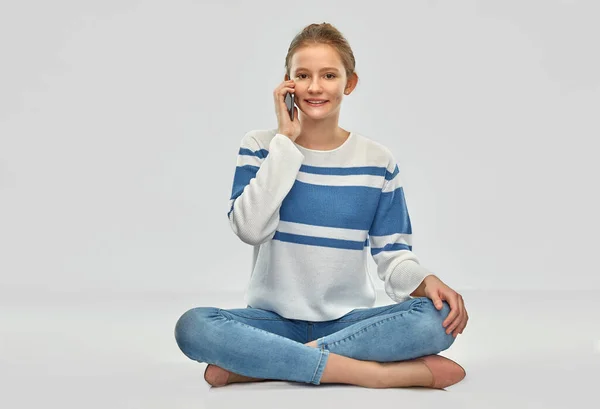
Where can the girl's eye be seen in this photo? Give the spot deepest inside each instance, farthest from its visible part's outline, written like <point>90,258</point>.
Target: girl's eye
<point>331,76</point>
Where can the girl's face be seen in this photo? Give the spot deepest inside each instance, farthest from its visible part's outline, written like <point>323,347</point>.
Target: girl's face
<point>319,74</point>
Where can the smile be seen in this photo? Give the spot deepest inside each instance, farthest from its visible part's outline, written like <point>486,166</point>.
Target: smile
<point>316,104</point>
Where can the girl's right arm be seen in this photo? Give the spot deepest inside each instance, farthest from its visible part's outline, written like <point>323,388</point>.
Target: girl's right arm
<point>262,180</point>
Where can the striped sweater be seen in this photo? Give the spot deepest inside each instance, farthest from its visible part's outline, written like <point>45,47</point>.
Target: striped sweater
<point>313,217</point>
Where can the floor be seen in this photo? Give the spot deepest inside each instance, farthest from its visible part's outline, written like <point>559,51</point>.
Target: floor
<point>520,350</point>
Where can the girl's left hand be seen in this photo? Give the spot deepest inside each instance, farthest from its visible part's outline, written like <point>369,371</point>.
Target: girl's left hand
<point>437,291</point>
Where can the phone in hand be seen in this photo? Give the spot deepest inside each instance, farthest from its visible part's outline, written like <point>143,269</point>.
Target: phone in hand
<point>289,102</point>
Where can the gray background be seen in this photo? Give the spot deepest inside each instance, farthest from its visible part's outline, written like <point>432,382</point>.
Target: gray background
<point>120,124</point>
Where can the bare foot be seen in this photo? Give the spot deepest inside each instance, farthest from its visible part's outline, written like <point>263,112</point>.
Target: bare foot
<point>217,376</point>
<point>406,374</point>
<point>399,374</point>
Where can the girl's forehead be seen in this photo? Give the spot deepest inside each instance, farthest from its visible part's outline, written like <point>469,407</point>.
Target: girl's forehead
<point>315,56</point>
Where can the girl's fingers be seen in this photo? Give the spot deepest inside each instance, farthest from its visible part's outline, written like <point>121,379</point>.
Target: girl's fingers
<point>461,321</point>
<point>281,109</point>
<point>279,93</point>
<point>287,89</point>
<point>458,319</point>
<point>454,317</point>
<point>282,89</point>
<point>454,311</point>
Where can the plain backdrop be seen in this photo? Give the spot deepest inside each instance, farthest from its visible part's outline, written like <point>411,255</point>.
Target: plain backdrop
<point>120,123</point>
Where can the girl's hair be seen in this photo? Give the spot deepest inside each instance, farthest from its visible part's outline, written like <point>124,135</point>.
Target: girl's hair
<point>323,33</point>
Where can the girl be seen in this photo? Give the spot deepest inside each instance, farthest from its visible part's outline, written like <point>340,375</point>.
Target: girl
<point>312,197</point>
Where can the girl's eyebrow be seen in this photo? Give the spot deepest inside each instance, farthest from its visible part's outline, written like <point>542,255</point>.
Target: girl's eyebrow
<point>322,69</point>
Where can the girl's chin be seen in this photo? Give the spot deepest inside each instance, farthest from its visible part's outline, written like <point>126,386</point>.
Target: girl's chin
<point>315,112</point>
<point>314,116</point>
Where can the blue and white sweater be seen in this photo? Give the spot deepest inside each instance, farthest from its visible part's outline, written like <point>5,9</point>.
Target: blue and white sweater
<point>312,217</point>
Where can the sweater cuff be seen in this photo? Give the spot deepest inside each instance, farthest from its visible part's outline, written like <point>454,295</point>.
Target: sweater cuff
<point>406,278</point>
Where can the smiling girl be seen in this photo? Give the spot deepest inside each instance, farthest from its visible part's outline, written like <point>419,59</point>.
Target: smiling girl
<point>315,201</point>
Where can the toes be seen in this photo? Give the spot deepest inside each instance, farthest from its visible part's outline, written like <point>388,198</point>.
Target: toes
<point>216,376</point>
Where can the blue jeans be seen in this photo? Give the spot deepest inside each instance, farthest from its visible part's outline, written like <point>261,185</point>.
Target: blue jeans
<point>262,344</point>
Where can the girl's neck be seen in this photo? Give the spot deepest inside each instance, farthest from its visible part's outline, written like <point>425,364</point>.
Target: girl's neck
<point>321,135</point>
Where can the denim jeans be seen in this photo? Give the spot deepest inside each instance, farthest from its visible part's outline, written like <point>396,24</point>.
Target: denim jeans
<point>261,344</point>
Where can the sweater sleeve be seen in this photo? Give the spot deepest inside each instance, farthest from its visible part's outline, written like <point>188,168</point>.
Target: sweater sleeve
<point>261,181</point>
<point>390,238</point>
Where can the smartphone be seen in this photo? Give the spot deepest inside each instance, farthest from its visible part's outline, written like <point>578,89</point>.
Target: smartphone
<point>289,102</point>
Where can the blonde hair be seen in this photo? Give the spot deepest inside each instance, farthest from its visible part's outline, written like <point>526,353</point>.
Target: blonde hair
<point>323,33</point>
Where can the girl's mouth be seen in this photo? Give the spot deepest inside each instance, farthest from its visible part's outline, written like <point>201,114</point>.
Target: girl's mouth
<point>316,103</point>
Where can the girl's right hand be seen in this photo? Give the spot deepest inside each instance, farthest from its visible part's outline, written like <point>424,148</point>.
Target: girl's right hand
<point>285,125</point>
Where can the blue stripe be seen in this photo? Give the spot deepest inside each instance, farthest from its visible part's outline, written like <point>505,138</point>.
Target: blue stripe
<point>318,170</point>
<point>320,241</point>
<point>350,207</point>
<point>390,176</point>
<point>261,153</point>
<point>242,177</point>
<point>390,247</point>
<point>392,215</point>
<point>356,170</point>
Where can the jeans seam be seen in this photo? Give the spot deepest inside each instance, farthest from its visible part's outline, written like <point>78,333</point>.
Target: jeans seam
<point>399,314</point>
<point>317,368</point>
<point>250,326</point>
<point>253,318</point>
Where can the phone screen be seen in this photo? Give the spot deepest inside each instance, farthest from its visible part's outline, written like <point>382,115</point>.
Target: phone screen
<point>289,102</point>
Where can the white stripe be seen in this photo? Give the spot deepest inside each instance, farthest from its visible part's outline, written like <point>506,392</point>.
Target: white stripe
<point>341,180</point>
<point>381,241</point>
<point>244,160</point>
<point>393,184</point>
<point>320,231</point>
